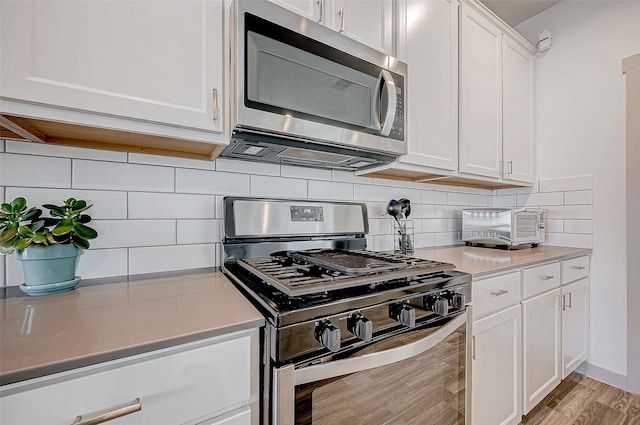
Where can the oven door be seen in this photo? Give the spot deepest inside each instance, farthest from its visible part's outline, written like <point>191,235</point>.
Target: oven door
<point>418,377</point>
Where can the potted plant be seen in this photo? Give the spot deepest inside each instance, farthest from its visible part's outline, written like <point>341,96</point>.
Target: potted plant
<point>48,248</point>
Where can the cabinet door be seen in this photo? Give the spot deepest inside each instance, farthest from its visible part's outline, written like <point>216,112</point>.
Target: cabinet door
<point>311,9</point>
<point>172,387</point>
<point>432,56</point>
<point>517,112</point>
<point>575,325</point>
<point>496,371</point>
<point>158,61</point>
<point>541,346</point>
<point>480,95</point>
<point>368,21</point>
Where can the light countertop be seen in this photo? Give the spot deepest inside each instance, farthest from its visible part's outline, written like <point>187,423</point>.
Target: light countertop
<point>484,261</point>
<point>105,321</point>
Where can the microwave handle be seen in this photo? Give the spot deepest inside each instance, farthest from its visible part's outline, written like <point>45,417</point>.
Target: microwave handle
<point>369,361</point>
<point>386,89</point>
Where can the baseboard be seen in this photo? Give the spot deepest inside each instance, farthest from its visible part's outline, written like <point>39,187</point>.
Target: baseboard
<point>604,375</point>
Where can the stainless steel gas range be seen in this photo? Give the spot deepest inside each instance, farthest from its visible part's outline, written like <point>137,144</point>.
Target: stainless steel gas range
<point>353,336</point>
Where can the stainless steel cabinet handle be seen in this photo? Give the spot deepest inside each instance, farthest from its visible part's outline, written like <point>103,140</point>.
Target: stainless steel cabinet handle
<point>564,303</point>
<point>578,267</point>
<point>501,167</point>
<point>215,104</point>
<point>547,277</point>
<point>569,305</point>
<point>341,14</point>
<point>118,412</point>
<point>510,167</point>
<point>499,292</point>
<point>320,4</point>
<point>473,347</point>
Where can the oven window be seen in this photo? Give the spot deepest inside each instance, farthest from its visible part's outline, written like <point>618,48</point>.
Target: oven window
<point>428,388</point>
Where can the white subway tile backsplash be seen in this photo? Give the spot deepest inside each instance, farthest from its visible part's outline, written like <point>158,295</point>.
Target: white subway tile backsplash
<point>454,198</point>
<point>32,170</point>
<point>435,225</point>
<point>423,211</point>
<point>389,182</point>
<point>447,211</point>
<point>330,190</point>
<point>279,187</point>
<point>168,258</point>
<point>157,214</point>
<point>536,199</point>
<point>305,173</point>
<point>566,184</point>
<point>349,177</point>
<point>97,263</point>
<point>579,197</point>
<point>2,274</point>
<point>117,176</point>
<point>433,197</point>
<point>506,201</point>
<point>106,204</point>
<point>480,200</point>
<point>578,226</point>
<point>41,149</point>
<point>247,167</point>
<point>129,233</point>
<point>199,231</point>
<point>371,193</point>
<point>554,226</point>
<point>211,182</point>
<point>569,212</point>
<point>569,239</point>
<point>170,205</point>
<point>170,161</point>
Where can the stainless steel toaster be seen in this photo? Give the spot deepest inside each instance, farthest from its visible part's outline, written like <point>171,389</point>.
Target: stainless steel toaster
<point>503,227</point>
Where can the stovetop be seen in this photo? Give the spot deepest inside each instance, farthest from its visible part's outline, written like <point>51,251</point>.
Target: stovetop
<point>317,271</point>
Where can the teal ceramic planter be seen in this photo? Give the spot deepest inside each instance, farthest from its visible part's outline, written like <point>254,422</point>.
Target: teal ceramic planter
<point>48,265</point>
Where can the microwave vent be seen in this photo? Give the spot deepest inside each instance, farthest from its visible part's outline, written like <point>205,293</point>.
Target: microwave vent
<point>313,156</point>
<point>485,214</point>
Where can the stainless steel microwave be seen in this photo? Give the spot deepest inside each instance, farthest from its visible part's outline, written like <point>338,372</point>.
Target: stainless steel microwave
<point>503,227</point>
<point>302,93</point>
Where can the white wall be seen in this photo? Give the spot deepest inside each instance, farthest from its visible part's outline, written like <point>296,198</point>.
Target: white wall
<point>580,130</point>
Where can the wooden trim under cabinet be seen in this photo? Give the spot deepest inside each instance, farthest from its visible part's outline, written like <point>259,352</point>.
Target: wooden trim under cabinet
<point>59,133</point>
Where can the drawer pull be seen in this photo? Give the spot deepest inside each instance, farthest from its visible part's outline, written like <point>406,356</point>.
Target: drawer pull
<point>547,277</point>
<point>499,292</point>
<point>118,412</point>
<point>578,267</point>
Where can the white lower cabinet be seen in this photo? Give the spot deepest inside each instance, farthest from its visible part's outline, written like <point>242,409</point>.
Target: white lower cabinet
<point>541,339</point>
<point>496,369</point>
<point>575,329</point>
<point>213,381</point>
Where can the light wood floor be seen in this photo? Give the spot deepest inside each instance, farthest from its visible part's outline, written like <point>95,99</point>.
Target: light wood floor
<point>580,400</point>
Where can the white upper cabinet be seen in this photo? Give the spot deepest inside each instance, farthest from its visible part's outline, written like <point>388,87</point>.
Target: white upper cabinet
<point>517,111</point>
<point>370,22</point>
<point>496,100</point>
<point>480,95</point>
<point>431,53</point>
<point>156,61</point>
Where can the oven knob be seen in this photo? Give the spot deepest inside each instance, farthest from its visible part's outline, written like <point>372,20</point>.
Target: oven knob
<point>441,307</point>
<point>360,326</point>
<point>458,301</point>
<point>403,314</point>
<point>328,335</point>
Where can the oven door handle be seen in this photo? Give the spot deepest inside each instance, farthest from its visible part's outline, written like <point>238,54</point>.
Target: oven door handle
<point>369,361</point>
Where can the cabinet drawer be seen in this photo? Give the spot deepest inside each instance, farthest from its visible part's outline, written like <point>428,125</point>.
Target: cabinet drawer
<point>574,269</point>
<point>173,386</point>
<point>494,293</point>
<point>537,280</point>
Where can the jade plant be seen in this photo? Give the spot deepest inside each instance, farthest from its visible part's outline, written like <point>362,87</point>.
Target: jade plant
<point>21,226</point>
